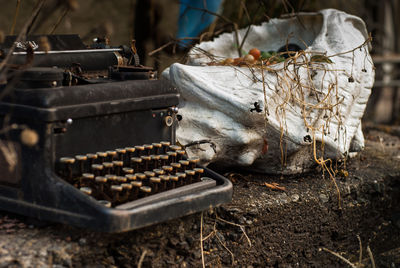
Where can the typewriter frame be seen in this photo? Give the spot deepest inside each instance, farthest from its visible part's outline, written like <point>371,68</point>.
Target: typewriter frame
<point>34,189</point>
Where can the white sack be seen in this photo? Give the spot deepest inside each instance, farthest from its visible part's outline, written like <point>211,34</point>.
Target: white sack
<point>216,100</point>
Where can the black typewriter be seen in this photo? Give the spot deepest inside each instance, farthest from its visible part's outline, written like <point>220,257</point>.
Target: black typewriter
<point>88,138</point>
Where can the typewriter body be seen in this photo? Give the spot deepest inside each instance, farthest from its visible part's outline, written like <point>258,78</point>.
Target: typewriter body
<point>88,139</point>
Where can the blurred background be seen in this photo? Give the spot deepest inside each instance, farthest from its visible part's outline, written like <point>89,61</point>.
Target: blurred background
<point>165,30</point>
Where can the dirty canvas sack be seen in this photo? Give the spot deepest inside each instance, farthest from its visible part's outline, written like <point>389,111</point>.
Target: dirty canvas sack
<point>283,117</point>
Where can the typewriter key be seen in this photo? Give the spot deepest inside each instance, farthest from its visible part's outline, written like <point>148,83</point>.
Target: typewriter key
<point>87,179</point>
<point>118,167</point>
<point>129,154</point>
<point>168,169</point>
<point>136,163</point>
<point>193,161</point>
<point>92,158</point>
<point>135,189</point>
<point>176,167</point>
<point>101,181</point>
<point>86,190</point>
<point>130,177</point>
<point>190,175</point>
<point>108,167</point>
<point>127,188</point>
<point>111,155</point>
<point>97,169</point>
<point>180,154</point>
<point>149,174</point>
<point>185,164</point>
<point>163,159</point>
<point>116,190</point>
<point>172,156</point>
<point>121,153</point>
<point>101,156</point>
<point>148,148</point>
<point>164,182</point>
<point>139,150</point>
<point>111,179</point>
<point>158,171</point>
<point>175,147</point>
<point>155,183</point>
<point>145,191</point>
<point>141,177</point>
<point>155,159</point>
<point>174,180</point>
<point>182,178</point>
<point>105,203</point>
<point>146,161</point>
<point>165,146</point>
<point>81,159</point>
<point>199,174</point>
<point>127,170</point>
<point>121,179</point>
<point>157,146</point>
<point>67,162</point>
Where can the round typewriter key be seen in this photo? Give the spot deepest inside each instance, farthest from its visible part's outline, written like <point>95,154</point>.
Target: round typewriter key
<point>175,147</point>
<point>158,171</point>
<point>116,190</point>
<point>121,153</point>
<point>135,189</point>
<point>164,181</point>
<point>105,203</point>
<point>101,181</point>
<point>174,180</point>
<point>130,177</point>
<point>108,166</point>
<point>146,159</point>
<point>129,154</point>
<point>127,170</point>
<point>182,178</point>
<point>136,162</point>
<point>118,166</point>
<point>101,156</point>
<point>149,174</point>
<point>165,146</point>
<point>157,146</point>
<point>121,179</point>
<point>164,159</point>
<point>111,178</point>
<point>190,175</point>
<point>148,148</point>
<point>180,154</point>
<point>184,163</point>
<point>81,159</point>
<point>193,161</point>
<point>67,162</point>
<point>97,169</point>
<point>86,190</point>
<point>176,167</point>
<point>199,173</point>
<point>139,150</point>
<point>127,188</point>
<point>92,158</point>
<point>155,183</point>
<point>172,156</point>
<point>87,179</point>
<point>155,159</point>
<point>145,190</point>
<point>168,169</point>
<point>111,155</point>
<point>140,176</point>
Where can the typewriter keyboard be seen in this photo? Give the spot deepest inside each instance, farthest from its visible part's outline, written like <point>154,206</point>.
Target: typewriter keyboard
<point>143,172</point>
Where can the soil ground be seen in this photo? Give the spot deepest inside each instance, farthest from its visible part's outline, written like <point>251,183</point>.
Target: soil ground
<point>260,228</point>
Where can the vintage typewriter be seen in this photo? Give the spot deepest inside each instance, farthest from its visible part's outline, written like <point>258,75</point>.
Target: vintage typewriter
<point>88,139</point>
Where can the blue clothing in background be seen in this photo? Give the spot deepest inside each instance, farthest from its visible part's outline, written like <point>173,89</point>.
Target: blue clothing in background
<point>193,21</point>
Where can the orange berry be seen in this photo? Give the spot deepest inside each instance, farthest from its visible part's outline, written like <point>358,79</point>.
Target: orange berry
<point>256,53</point>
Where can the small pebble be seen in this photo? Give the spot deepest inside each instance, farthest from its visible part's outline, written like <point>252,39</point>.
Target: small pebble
<point>82,241</point>
<point>295,197</point>
<point>324,198</point>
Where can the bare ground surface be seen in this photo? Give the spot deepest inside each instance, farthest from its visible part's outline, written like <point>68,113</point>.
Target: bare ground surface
<point>260,228</point>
